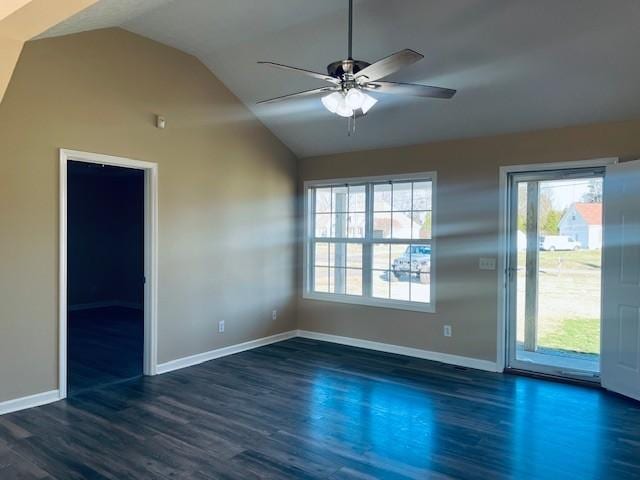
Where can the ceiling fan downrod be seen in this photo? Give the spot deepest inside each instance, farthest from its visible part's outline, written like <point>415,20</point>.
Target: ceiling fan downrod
<point>350,56</point>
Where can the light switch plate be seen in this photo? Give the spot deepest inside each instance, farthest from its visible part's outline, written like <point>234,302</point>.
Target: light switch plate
<point>487,263</point>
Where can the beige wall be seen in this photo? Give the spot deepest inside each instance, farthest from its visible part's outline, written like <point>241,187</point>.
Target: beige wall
<point>21,20</point>
<point>226,196</point>
<point>467,226</point>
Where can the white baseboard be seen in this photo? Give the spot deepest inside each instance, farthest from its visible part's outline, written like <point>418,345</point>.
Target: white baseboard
<point>400,350</point>
<point>108,303</point>
<point>54,395</point>
<point>29,402</point>
<point>222,352</point>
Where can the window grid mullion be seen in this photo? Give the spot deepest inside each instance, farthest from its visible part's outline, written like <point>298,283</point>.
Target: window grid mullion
<point>367,246</point>
<point>311,246</point>
<point>392,216</point>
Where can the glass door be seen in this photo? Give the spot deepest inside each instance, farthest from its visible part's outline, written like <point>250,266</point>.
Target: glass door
<point>555,258</point>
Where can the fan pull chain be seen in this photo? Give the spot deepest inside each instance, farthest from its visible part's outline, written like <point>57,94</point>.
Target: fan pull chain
<point>351,125</point>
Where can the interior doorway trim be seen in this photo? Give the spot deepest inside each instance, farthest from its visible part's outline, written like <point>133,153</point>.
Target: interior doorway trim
<point>150,258</point>
<point>503,241</point>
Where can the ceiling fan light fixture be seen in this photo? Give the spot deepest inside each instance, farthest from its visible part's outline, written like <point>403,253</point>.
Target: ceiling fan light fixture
<point>344,110</point>
<point>368,103</point>
<point>332,101</point>
<point>355,99</point>
<point>345,105</point>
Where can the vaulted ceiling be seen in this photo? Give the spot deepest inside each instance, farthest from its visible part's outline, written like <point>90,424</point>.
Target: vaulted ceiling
<point>517,64</point>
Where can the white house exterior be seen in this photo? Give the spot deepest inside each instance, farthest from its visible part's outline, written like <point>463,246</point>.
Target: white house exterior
<point>583,223</point>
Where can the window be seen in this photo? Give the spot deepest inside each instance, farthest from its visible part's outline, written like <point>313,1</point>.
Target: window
<point>369,241</point>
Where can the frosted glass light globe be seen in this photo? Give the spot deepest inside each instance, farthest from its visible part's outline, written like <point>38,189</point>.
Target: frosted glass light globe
<point>343,109</point>
<point>355,99</point>
<point>368,103</point>
<point>332,101</point>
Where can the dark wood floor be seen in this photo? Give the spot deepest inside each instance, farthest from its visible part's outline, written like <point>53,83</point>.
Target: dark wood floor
<point>105,346</point>
<point>311,410</point>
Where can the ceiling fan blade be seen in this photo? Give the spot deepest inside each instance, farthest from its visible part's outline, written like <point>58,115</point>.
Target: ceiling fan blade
<point>389,65</point>
<point>306,93</point>
<point>319,76</point>
<point>409,89</point>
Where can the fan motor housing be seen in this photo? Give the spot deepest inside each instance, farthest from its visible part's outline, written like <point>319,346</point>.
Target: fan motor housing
<point>342,67</point>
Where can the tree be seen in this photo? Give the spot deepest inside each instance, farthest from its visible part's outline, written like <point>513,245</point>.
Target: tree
<point>548,217</point>
<point>550,224</point>
<point>594,191</point>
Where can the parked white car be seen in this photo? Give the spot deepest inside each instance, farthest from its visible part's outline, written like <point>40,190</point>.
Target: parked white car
<point>558,242</point>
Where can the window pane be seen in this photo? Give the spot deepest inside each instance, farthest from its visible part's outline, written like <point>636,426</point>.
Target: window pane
<point>382,197</point>
<point>354,281</point>
<point>421,288</point>
<point>323,225</point>
<point>381,256</point>
<point>338,255</point>
<point>321,279</point>
<point>401,196</point>
<point>414,258</point>
<point>322,255</point>
<point>357,199</point>
<point>420,258</point>
<point>421,225</point>
<point>356,225</point>
<point>402,225</point>
<point>337,280</point>
<point>354,255</point>
<point>382,225</point>
<point>381,283</point>
<point>340,225</point>
<point>400,288</point>
<point>323,200</point>
<point>400,260</point>
<point>339,199</point>
<point>422,196</point>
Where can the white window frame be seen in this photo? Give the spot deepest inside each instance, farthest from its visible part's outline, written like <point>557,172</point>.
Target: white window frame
<point>307,291</point>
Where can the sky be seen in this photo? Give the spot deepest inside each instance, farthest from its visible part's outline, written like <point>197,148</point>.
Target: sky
<point>566,192</point>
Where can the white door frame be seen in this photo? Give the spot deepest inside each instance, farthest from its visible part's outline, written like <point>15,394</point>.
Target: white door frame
<point>503,241</point>
<point>150,258</point>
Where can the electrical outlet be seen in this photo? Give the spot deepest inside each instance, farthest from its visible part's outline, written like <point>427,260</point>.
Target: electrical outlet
<point>221,326</point>
<point>274,315</point>
<point>447,331</point>
<point>487,263</point>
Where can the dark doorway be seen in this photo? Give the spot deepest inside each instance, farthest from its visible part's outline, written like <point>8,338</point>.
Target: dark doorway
<point>105,264</point>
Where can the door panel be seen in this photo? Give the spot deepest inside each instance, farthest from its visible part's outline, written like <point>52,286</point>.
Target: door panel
<point>621,307</point>
<point>629,322</point>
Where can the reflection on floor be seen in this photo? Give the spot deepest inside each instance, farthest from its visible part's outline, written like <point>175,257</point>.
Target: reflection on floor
<point>304,409</point>
<point>105,345</point>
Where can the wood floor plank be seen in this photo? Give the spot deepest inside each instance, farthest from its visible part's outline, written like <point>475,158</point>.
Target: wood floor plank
<point>304,409</point>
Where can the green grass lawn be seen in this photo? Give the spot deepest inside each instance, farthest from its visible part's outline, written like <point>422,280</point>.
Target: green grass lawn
<point>569,300</point>
<point>574,334</point>
<point>585,260</point>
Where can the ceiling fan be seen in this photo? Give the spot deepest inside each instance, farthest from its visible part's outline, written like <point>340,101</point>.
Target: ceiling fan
<point>350,80</point>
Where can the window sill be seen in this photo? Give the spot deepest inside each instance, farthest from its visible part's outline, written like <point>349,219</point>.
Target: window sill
<point>371,302</point>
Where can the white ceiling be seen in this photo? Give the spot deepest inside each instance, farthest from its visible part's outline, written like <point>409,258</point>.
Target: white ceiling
<point>517,64</point>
